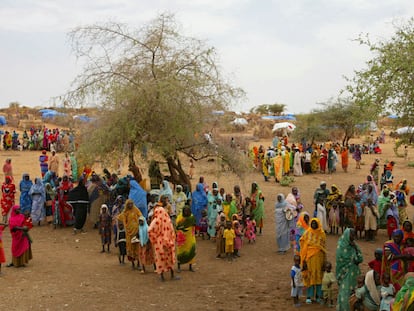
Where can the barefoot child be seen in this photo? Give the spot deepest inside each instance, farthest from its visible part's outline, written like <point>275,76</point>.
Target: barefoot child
<point>229,237</point>
<point>105,227</point>
<point>120,242</point>
<point>328,281</point>
<point>297,281</point>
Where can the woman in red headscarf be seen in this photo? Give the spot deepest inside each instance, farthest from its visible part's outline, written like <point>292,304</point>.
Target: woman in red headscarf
<point>21,250</point>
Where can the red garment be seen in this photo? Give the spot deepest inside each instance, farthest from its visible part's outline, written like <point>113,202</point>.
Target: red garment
<point>162,236</point>
<point>28,222</point>
<point>2,256</point>
<point>20,241</point>
<point>375,265</point>
<point>8,190</point>
<point>391,225</point>
<point>65,210</point>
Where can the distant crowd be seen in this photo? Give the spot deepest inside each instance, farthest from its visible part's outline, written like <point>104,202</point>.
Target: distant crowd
<point>40,138</point>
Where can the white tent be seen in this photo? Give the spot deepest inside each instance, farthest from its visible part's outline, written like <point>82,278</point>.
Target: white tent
<point>405,130</point>
<point>239,121</point>
<point>289,127</point>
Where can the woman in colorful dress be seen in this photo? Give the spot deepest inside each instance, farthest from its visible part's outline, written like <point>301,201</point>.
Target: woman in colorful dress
<point>186,241</point>
<point>393,259</point>
<point>313,256</point>
<point>8,190</point>
<point>162,236</point>
<point>130,217</point>
<point>257,206</point>
<point>301,226</point>
<point>348,258</point>
<point>404,300</point>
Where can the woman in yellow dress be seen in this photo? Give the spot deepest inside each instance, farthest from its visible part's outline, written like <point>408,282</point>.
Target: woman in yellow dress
<point>313,255</point>
<point>130,218</point>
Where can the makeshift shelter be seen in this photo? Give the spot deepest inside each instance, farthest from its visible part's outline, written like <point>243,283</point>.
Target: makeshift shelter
<point>289,127</point>
<point>239,121</point>
<point>3,120</point>
<point>405,130</point>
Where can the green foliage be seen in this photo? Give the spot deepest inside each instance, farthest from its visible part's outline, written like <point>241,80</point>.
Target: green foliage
<point>154,87</point>
<point>387,81</point>
<point>275,109</point>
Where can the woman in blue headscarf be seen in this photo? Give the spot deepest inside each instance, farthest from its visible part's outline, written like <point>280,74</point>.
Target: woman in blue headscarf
<point>25,198</point>
<point>166,190</point>
<point>199,203</point>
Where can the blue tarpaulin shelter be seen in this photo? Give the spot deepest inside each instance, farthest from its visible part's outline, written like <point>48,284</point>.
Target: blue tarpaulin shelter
<point>285,117</point>
<point>82,118</point>
<point>3,120</point>
<point>51,114</point>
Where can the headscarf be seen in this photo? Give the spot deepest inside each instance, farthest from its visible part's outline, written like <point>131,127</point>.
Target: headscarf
<point>143,231</point>
<point>138,196</point>
<point>166,190</point>
<point>405,297</point>
<point>38,188</point>
<point>301,223</point>
<point>348,257</point>
<point>199,202</point>
<point>312,241</point>
<point>372,287</point>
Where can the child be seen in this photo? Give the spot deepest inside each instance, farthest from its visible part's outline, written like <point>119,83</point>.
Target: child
<point>120,242</point>
<point>357,304</point>
<point>204,225</point>
<point>220,243</point>
<point>249,233</point>
<point>146,253</point>
<point>297,281</point>
<point>376,263</point>
<point>387,293</point>
<point>2,256</point>
<point>327,285</point>
<point>238,242</point>
<point>105,227</point>
<point>360,221</point>
<point>229,237</point>
<point>409,250</point>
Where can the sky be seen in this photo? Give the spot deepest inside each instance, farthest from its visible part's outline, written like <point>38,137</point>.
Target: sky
<point>295,52</point>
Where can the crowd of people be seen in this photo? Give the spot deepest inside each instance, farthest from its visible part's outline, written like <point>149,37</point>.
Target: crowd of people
<point>40,138</point>
<point>280,159</point>
<point>356,215</point>
<point>159,230</point>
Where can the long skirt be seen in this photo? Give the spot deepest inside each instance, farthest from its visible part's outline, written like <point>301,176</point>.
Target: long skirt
<point>23,259</point>
<point>81,212</point>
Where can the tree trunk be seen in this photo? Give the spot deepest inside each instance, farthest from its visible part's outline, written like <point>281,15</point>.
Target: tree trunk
<point>131,165</point>
<point>131,154</point>
<point>178,175</point>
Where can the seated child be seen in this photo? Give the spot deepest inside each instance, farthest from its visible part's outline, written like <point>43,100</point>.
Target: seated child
<point>356,304</point>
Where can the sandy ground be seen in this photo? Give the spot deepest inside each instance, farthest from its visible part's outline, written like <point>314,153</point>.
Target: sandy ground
<point>68,272</point>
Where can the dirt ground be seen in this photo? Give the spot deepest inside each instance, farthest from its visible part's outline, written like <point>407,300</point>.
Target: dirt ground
<point>68,272</point>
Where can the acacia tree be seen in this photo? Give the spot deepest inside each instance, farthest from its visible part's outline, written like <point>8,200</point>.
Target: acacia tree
<point>155,88</point>
<point>275,109</point>
<point>387,84</point>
